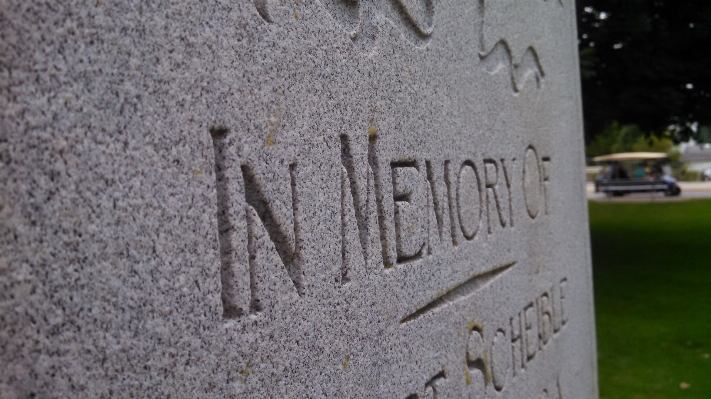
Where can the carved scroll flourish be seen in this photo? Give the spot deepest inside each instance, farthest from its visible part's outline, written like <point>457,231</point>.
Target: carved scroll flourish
<point>361,19</point>
<point>500,57</point>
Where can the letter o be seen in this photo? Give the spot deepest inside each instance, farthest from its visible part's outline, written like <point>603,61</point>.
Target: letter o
<point>469,200</point>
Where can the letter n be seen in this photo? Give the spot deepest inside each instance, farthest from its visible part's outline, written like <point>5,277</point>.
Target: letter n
<point>258,232</point>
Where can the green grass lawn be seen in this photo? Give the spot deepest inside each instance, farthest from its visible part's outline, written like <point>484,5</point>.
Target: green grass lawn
<point>652,270</point>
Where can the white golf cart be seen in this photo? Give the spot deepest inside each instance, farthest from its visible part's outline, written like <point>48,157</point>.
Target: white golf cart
<point>635,172</point>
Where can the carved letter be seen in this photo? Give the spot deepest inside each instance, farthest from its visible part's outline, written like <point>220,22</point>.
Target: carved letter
<point>531,326</point>
<point>491,178</point>
<point>438,213</point>
<point>432,386</point>
<point>532,182</point>
<point>354,208</point>
<point>250,228</point>
<point>517,344</point>
<point>509,188</point>
<point>476,360</point>
<point>231,228</point>
<point>469,200</point>
<point>563,290</point>
<point>285,241</point>
<point>410,197</point>
<point>451,201</point>
<point>546,166</point>
<point>545,319</point>
<point>387,239</point>
<point>500,357</point>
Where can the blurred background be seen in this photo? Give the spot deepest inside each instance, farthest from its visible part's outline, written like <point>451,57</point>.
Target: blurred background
<point>646,78</point>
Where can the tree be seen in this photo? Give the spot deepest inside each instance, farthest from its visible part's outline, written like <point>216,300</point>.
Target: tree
<point>645,62</point>
<point>614,138</point>
<point>630,138</point>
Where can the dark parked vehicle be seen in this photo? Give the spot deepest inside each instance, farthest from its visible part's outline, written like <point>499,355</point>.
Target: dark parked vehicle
<point>635,172</point>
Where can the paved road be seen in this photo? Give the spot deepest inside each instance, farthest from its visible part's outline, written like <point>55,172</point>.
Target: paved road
<point>689,190</point>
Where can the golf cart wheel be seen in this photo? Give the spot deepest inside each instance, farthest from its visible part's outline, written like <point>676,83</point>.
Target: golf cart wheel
<point>673,191</point>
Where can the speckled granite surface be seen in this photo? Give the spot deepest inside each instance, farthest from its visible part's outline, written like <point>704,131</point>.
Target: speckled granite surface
<point>293,199</point>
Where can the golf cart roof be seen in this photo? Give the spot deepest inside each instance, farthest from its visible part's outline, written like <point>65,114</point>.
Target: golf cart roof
<point>630,156</point>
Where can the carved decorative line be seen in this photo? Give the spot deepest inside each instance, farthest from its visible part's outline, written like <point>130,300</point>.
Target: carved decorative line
<point>361,20</point>
<point>460,292</point>
<point>500,57</point>
<point>263,10</point>
<point>428,25</point>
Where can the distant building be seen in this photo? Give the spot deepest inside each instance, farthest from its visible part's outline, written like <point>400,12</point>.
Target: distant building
<point>697,157</point>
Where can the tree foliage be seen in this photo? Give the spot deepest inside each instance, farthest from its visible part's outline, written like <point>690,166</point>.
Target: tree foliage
<point>630,138</point>
<point>645,62</point>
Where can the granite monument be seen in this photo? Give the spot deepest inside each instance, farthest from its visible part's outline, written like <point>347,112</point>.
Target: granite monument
<point>293,199</point>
